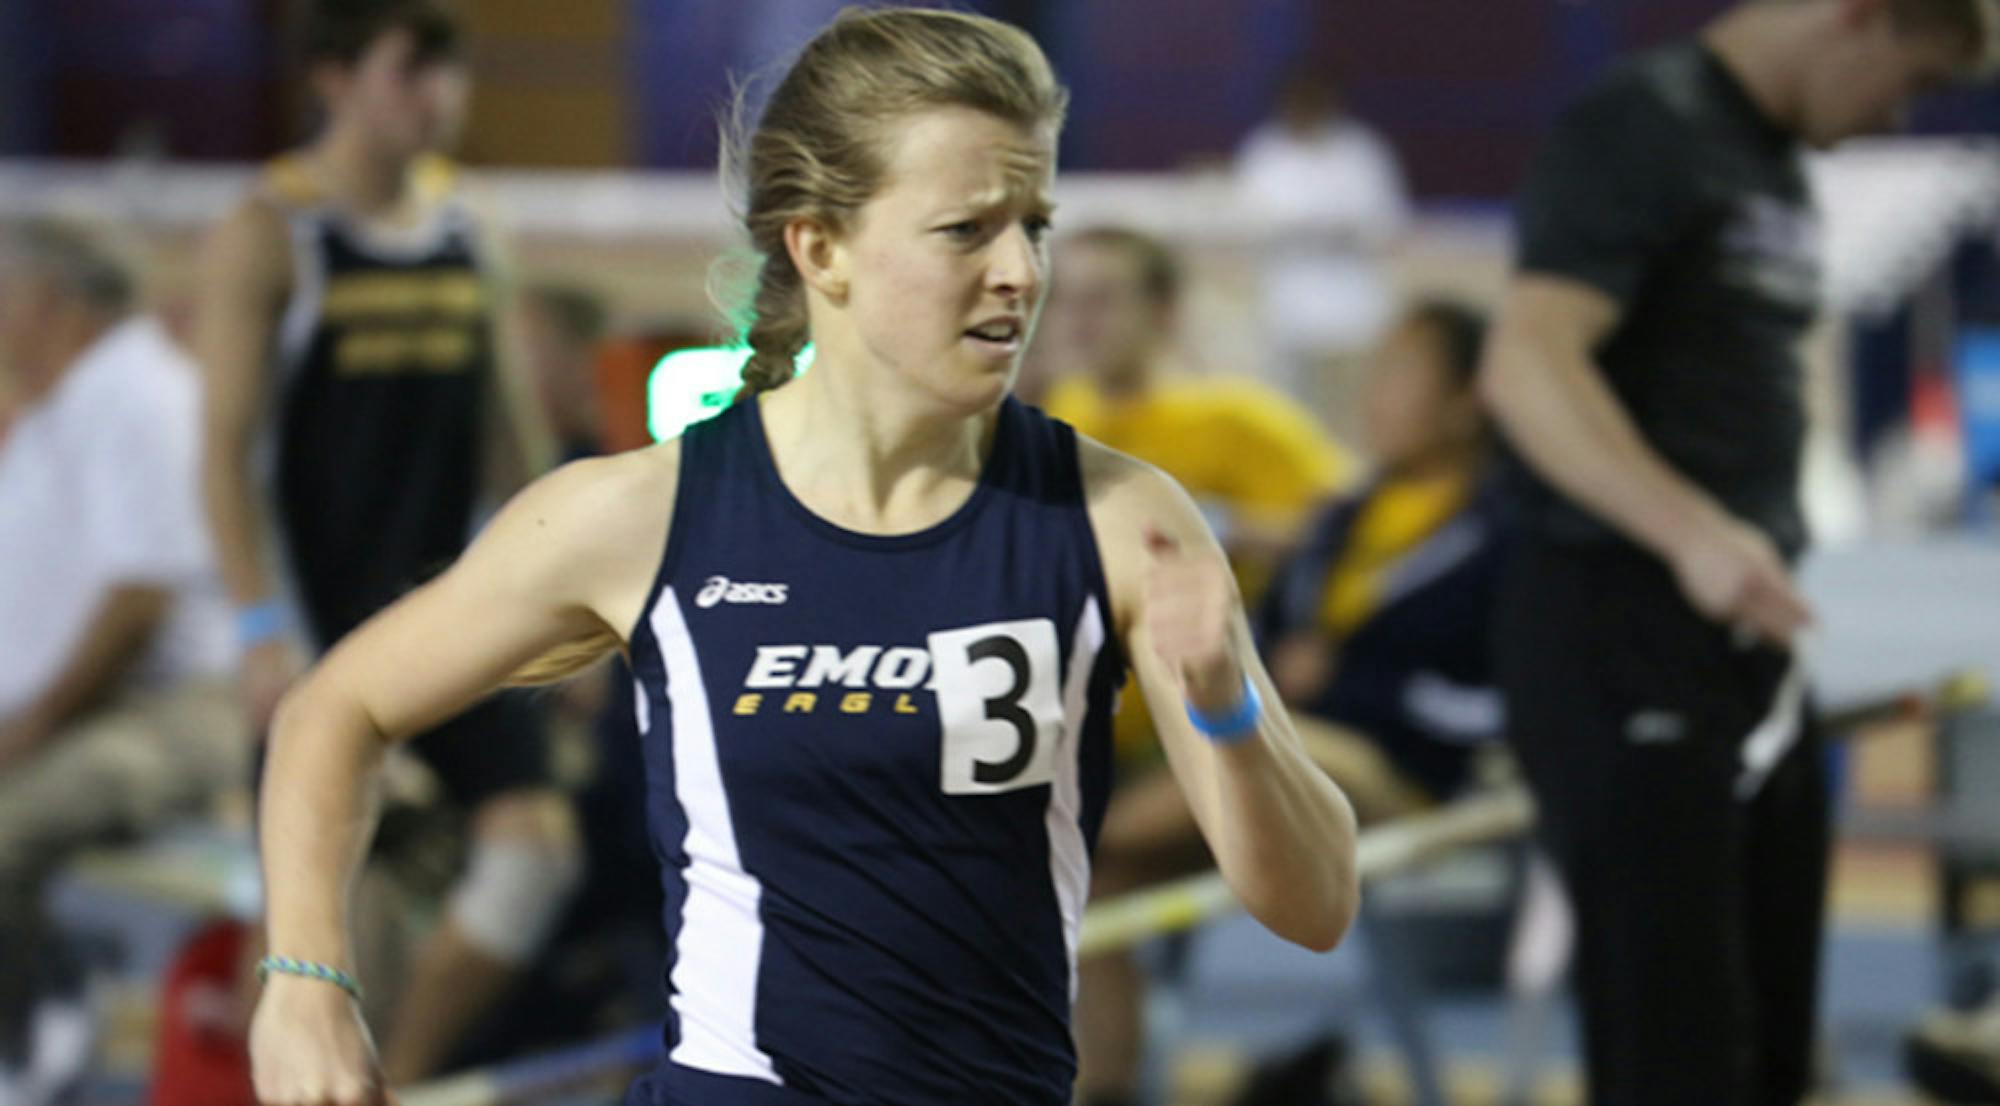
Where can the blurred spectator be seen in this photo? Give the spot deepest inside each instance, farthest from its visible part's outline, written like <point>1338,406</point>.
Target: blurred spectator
<point>1254,460</point>
<point>1380,624</point>
<point>348,314</point>
<point>561,326</point>
<point>115,706</point>
<point>1376,631</point>
<point>1646,367</point>
<point>1333,201</point>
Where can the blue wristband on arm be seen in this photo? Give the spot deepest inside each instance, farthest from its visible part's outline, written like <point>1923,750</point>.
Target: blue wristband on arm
<point>1234,726</point>
<point>259,623</point>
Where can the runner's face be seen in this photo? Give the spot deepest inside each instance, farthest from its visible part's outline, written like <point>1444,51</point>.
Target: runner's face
<point>946,265</point>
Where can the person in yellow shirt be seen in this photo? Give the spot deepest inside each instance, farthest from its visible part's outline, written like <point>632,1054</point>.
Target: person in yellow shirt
<point>1253,459</point>
<point>1379,622</point>
<point>1256,462</point>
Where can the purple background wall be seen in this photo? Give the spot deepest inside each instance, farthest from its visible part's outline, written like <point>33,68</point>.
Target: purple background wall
<point>1463,88</point>
<point>198,78</point>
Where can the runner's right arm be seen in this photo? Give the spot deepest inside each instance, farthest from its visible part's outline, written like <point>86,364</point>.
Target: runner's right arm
<point>566,564</point>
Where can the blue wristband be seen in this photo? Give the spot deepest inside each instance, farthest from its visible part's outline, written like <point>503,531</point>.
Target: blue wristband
<point>259,623</point>
<point>1237,725</point>
<point>285,965</point>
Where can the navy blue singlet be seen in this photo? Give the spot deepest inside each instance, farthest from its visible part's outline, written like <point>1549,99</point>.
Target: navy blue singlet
<point>875,768</point>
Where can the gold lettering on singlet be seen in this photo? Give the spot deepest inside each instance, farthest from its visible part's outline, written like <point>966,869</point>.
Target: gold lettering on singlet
<point>856,702</point>
<point>749,703</point>
<point>903,704</point>
<point>411,296</point>
<point>801,702</point>
<point>371,351</point>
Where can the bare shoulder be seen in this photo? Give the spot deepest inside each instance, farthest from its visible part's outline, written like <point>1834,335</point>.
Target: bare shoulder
<point>496,233</point>
<point>593,530</point>
<point>251,246</point>
<point>614,494</point>
<point>1127,499</point>
<point>1121,491</point>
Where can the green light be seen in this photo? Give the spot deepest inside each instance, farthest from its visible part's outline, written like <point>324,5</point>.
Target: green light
<point>689,385</point>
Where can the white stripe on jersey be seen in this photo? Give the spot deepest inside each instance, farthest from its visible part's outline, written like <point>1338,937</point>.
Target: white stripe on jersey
<point>1069,858</point>
<point>721,942</point>
<point>301,315</point>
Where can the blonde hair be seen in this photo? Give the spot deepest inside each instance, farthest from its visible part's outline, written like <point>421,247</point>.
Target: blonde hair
<point>818,149</point>
<point>818,152</point>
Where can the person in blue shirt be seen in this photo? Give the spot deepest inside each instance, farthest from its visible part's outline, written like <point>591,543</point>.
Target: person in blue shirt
<point>1380,623</point>
<point>877,616</point>
<point>1375,631</point>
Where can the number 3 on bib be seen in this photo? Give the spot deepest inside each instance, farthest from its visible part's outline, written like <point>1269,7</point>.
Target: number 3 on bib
<point>999,705</point>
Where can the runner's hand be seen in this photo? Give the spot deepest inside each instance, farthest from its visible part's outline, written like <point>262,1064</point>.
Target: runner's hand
<point>1190,613</point>
<point>308,1047</point>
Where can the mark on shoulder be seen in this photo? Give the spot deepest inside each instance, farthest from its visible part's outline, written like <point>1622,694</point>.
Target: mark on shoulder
<point>1121,490</point>
<point>593,530</point>
<point>1127,499</point>
<point>623,490</point>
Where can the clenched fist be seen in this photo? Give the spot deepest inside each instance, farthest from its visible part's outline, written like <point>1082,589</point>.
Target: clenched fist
<point>1731,573</point>
<point>1190,615</point>
<point>308,1047</point>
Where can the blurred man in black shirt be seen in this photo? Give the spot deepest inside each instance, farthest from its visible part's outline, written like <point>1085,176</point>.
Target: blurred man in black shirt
<point>1645,370</point>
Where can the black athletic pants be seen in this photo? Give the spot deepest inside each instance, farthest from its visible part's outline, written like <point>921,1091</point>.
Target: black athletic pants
<point>1698,909</point>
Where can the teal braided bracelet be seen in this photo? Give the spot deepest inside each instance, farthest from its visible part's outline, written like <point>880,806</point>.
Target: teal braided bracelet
<point>285,965</point>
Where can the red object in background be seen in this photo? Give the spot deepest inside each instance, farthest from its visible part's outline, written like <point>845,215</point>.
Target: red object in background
<point>1933,404</point>
<point>624,365</point>
<point>200,1056</point>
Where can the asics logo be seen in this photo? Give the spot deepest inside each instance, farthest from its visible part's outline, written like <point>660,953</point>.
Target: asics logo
<point>721,589</point>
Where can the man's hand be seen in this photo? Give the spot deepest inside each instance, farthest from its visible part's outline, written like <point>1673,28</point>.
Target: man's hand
<point>1731,573</point>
